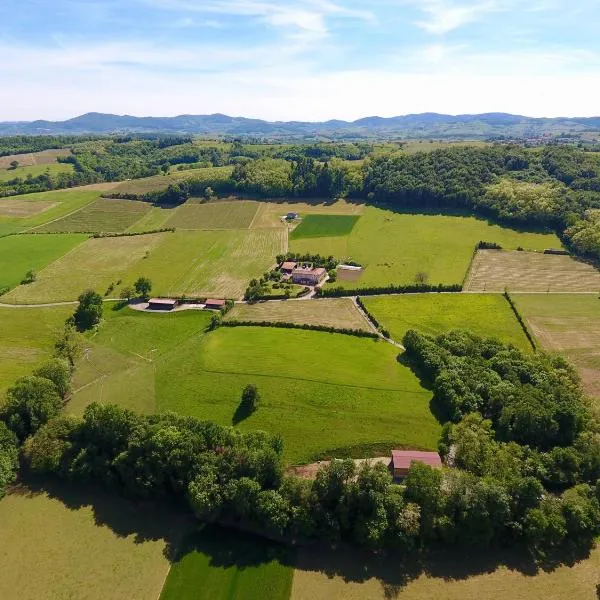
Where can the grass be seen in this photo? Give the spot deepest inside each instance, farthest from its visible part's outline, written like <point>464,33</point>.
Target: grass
<point>395,246</point>
<point>103,215</point>
<point>94,264</point>
<point>155,218</point>
<point>487,315</point>
<point>35,171</point>
<point>530,272</point>
<point>27,338</point>
<point>214,215</point>
<point>334,312</point>
<point>20,253</point>
<point>569,324</point>
<point>90,546</point>
<point>219,564</point>
<point>314,226</point>
<point>45,157</point>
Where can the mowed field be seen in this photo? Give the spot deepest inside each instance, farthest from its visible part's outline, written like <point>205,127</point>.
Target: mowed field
<point>214,215</point>
<point>20,253</point>
<point>324,226</point>
<point>330,312</point>
<point>35,171</point>
<point>393,247</point>
<point>486,315</point>
<point>103,215</point>
<point>45,157</point>
<point>221,564</point>
<point>569,324</point>
<point>494,270</point>
<point>90,546</point>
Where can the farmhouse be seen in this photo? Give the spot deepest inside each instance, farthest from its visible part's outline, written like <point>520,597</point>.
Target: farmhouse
<point>287,267</point>
<point>214,304</point>
<point>402,459</point>
<point>161,304</point>
<point>309,276</point>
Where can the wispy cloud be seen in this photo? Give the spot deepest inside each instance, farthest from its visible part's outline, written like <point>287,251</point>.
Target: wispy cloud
<point>444,16</point>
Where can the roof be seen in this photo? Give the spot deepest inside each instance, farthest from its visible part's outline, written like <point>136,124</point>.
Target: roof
<point>318,271</point>
<point>402,459</point>
<point>288,265</point>
<point>165,301</point>
<point>215,302</point>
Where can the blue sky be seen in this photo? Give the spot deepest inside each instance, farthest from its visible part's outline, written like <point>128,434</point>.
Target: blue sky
<point>302,59</point>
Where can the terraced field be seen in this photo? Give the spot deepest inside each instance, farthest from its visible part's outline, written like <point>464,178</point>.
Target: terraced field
<point>214,215</point>
<point>494,270</point>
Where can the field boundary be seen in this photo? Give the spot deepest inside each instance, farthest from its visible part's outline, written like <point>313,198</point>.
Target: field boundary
<point>521,321</point>
<point>289,325</point>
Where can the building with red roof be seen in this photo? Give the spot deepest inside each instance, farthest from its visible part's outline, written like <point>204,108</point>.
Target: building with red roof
<point>403,459</point>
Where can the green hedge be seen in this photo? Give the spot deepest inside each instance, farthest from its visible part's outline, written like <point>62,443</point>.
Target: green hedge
<point>287,325</point>
<point>412,288</point>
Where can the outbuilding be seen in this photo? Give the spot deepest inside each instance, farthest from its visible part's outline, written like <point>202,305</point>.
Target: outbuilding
<point>309,276</point>
<point>292,216</point>
<point>214,304</point>
<point>288,266</point>
<point>161,304</point>
<point>403,459</point>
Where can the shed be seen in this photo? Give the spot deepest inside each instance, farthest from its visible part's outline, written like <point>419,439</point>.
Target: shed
<point>403,459</point>
<point>291,216</point>
<point>213,303</point>
<point>288,266</point>
<point>161,304</point>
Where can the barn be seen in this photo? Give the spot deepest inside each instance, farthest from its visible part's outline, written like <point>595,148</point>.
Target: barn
<point>214,304</point>
<point>403,459</point>
<point>161,304</point>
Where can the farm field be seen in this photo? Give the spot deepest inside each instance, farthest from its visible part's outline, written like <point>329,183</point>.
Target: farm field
<point>220,564</point>
<point>486,315</point>
<point>102,215</point>
<point>77,544</point>
<point>394,246</point>
<point>494,270</point>
<point>20,253</point>
<point>569,324</point>
<point>324,226</point>
<point>201,263</point>
<point>44,157</point>
<point>27,339</point>
<point>322,575</point>
<point>94,264</point>
<point>331,312</point>
<point>237,214</point>
<point>155,218</point>
<point>35,171</point>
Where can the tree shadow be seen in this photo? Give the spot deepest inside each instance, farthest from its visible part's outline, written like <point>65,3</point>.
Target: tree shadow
<point>242,412</point>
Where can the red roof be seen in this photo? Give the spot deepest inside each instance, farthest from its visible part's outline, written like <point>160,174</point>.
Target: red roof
<point>213,302</point>
<point>288,265</point>
<point>402,459</point>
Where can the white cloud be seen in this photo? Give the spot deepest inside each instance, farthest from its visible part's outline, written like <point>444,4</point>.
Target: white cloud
<point>444,16</point>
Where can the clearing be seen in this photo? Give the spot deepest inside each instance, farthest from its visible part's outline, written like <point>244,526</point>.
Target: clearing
<point>221,564</point>
<point>214,215</point>
<point>495,270</point>
<point>330,312</point>
<point>487,315</point>
<point>20,253</point>
<point>393,247</point>
<point>324,226</point>
<point>35,171</point>
<point>569,324</point>
<point>68,543</point>
<point>102,216</point>
<point>45,157</point>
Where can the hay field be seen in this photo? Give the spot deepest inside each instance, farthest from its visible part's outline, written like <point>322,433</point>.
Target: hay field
<point>487,315</point>
<point>214,215</point>
<point>15,207</point>
<point>78,544</point>
<point>45,157</point>
<point>569,324</point>
<point>314,226</point>
<point>94,264</point>
<point>155,218</point>
<point>394,246</point>
<point>331,312</point>
<point>35,171</point>
<point>213,263</point>
<point>493,271</point>
<point>102,216</point>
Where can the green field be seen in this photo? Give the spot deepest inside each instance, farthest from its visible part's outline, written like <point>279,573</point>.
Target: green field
<point>20,253</point>
<point>103,215</point>
<point>214,215</point>
<point>487,315</point>
<point>324,226</point>
<point>27,338</point>
<point>219,564</point>
<point>155,218</point>
<point>44,157</point>
<point>394,246</point>
<point>35,171</point>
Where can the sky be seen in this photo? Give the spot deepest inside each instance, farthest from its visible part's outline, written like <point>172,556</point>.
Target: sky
<point>298,60</point>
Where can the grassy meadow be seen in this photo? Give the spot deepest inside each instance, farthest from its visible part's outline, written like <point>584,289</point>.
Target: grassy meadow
<point>314,226</point>
<point>393,247</point>
<point>486,315</point>
<point>214,215</point>
<point>44,157</point>
<point>35,171</point>
<point>220,564</point>
<point>20,253</point>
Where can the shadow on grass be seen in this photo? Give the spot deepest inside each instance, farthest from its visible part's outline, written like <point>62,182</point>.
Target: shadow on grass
<point>242,412</point>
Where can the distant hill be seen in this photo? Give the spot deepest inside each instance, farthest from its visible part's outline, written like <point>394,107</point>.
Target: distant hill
<point>426,125</point>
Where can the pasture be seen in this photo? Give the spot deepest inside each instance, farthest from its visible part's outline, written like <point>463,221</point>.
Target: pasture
<point>94,264</point>
<point>486,315</point>
<point>221,564</point>
<point>237,214</point>
<point>34,171</point>
<point>44,157</point>
<point>314,226</point>
<point>330,312</point>
<point>20,253</point>
<point>101,216</point>
<point>66,543</point>
<point>393,247</point>
<point>494,270</point>
<point>569,324</point>
<point>155,218</point>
